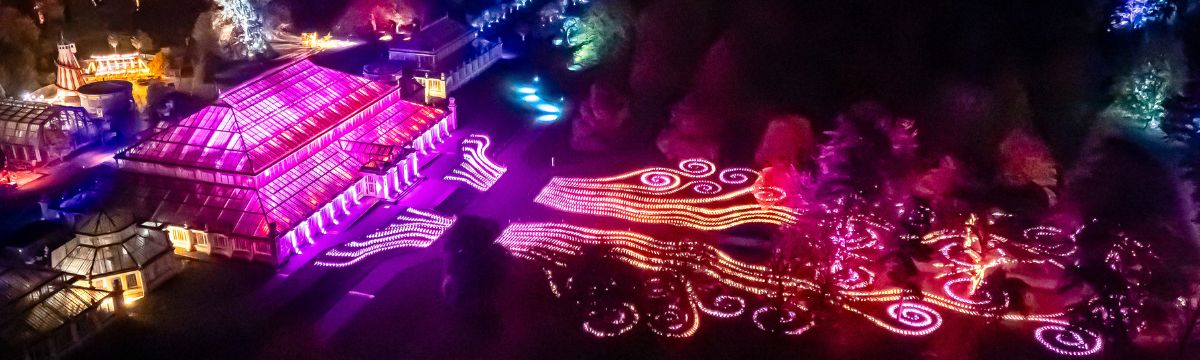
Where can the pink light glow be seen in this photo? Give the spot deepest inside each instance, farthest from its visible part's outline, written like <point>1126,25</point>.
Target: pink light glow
<point>477,170</point>
<point>284,136</point>
<point>661,196</point>
<point>1068,341</point>
<point>414,228</point>
<point>551,245</point>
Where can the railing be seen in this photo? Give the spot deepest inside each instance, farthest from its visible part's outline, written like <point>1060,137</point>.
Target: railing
<point>468,70</point>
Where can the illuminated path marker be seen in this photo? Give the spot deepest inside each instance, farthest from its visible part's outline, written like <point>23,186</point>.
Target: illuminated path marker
<point>413,228</point>
<point>477,170</point>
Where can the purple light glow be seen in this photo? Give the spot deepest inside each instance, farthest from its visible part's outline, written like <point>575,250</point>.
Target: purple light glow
<point>293,139</point>
<point>1067,341</point>
<point>477,170</point>
<point>413,228</point>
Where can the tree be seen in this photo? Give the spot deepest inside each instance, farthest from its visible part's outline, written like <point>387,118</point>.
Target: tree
<point>1026,161</point>
<point>869,155</point>
<point>240,29</point>
<point>142,42</point>
<point>1136,14</point>
<point>18,51</point>
<point>1140,96</point>
<point>602,32</point>
<point>368,17</point>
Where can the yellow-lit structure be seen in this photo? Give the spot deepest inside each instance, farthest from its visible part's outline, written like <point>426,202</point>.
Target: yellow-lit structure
<point>314,41</point>
<point>129,67</point>
<point>111,248</point>
<point>435,87</point>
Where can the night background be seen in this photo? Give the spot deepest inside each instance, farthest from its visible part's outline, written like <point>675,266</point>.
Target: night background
<point>497,179</point>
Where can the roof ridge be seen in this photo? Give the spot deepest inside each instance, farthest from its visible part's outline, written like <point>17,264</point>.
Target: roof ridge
<point>265,74</point>
<point>238,129</point>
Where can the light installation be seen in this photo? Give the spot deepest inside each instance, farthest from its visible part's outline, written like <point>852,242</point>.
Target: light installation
<point>533,97</point>
<point>477,170</point>
<point>695,196</point>
<point>689,279</point>
<point>412,229</point>
<point>129,66</point>
<point>1136,14</point>
<point>314,41</point>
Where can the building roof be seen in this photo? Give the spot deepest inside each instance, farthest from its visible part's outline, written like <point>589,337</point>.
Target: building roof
<point>21,120</point>
<point>261,121</point>
<point>35,302</point>
<point>292,196</point>
<point>103,222</point>
<point>16,282</point>
<point>434,36</point>
<point>258,124</point>
<point>99,256</point>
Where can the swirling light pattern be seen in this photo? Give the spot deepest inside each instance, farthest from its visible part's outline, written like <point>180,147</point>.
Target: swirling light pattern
<point>1068,341</point>
<point>675,302</point>
<point>686,197</point>
<point>413,228</point>
<point>477,170</point>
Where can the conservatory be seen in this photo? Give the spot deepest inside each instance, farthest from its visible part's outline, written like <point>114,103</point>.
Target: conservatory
<point>37,133</point>
<point>43,316</point>
<point>279,159</point>
<point>111,247</point>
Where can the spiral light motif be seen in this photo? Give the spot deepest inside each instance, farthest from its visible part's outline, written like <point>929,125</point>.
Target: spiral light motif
<point>675,321</point>
<point>920,318</point>
<point>736,176</point>
<point>698,167</point>
<point>660,180</point>
<point>725,306</point>
<point>1068,341</point>
<point>980,298</point>
<point>705,187</point>
<point>611,321</point>
<point>788,321</point>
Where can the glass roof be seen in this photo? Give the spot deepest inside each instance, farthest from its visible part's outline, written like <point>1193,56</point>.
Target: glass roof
<point>263,120</point>
<point>20,120</point>
<point>16,282</point>
<point>60,304</point>
<point>35,302</point>
<point>257,124</point>
<point>134,252</point>
<point>219,208</point>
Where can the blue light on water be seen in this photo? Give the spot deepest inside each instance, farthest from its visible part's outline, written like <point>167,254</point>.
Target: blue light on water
<point>527,90</point>
<point>531,98</point>
<point>546,117</point>
<point>550,108</point>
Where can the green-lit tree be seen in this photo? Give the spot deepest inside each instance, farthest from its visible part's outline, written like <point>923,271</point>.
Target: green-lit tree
<point>603,31</point>
<point>1140,95</point>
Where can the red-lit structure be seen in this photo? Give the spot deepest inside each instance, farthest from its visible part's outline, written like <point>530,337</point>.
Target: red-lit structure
<point>279,159</point>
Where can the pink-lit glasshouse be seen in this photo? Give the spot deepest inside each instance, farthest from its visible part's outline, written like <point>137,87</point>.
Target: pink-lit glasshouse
<point>280,159</point>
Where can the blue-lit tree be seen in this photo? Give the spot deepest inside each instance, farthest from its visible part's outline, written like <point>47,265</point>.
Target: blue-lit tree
<point>1136,14</point>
